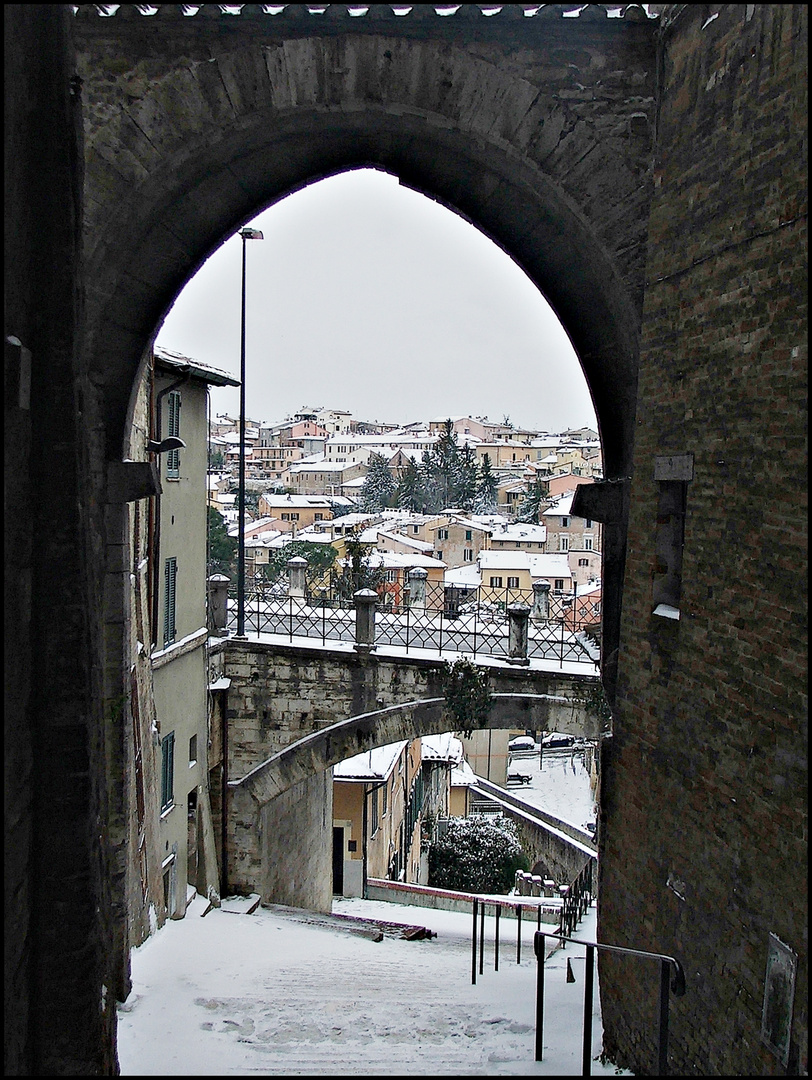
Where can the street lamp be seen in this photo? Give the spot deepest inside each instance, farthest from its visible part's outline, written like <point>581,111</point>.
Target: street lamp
<point>246,234</point>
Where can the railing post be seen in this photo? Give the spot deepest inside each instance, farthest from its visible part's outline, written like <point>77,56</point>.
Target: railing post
<point>518,933</point>
<point>589,975</point>
<point>540,611</point>
<point>518,616</point>
<point>296,577</point>
<point>473,943</point>
<point>539,947</point>
<point>218,604</point>
<point>482,937</point>
<point>417,588</point>
<point>496,940</point>
<point>662,1042</point>
<point>365,601</point>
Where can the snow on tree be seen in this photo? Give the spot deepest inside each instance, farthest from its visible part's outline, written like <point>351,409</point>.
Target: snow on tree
<point>465,479</point>
<point>533,502</point>
<point>477,854</point>
<point>409,490</point>
<point>379,484</point>
<point>486,499</point>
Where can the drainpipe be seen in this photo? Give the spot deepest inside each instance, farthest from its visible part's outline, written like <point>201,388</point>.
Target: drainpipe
<point>156,542</point>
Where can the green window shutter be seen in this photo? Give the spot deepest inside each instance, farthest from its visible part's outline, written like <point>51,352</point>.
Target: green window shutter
<point>167,770</point>
<point>173,457</point>
<point>170,591</point>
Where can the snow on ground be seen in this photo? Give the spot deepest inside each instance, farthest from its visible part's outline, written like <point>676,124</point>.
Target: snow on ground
<point>560,785</point>
<point>268,993</point>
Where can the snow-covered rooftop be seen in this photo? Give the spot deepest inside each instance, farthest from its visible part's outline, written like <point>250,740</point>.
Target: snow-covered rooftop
<point>374,764</point>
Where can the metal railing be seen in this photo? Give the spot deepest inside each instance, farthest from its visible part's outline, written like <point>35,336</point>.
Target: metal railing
<point>515,624</point>
<point>672,980</point>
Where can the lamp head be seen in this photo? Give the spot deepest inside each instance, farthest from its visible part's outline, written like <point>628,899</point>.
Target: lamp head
<point>171,442</point>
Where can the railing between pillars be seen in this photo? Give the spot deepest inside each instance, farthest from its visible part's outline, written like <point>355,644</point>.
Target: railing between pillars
<point>507,623</point>
<point>672,978</point>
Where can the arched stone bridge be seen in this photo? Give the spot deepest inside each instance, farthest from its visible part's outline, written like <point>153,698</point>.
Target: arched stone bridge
<point>294,711</point>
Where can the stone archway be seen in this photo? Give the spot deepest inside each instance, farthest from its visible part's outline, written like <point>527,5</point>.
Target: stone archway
<point>189,132</point>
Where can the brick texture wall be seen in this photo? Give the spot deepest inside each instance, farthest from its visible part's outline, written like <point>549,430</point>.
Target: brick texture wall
<point>704,786</point>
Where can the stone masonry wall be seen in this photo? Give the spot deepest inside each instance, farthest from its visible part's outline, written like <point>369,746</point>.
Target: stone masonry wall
<point>704,783</point>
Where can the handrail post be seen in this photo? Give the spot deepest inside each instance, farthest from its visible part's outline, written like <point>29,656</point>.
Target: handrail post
<point>588,991</point>
<point>539,947</point>
<point>518,933</point>
<point>482,937</point>
<point>662,1042</point>
<point>496,940</point>
<point>473,944</point>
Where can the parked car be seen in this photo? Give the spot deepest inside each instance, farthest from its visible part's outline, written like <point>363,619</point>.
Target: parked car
<point>555,739</point>
<point>522,742</point>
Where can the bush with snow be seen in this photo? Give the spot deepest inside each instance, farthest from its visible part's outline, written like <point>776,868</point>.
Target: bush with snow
<point>477,854</point>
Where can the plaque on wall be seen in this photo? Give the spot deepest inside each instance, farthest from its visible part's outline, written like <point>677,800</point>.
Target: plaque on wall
<point>779,992</point>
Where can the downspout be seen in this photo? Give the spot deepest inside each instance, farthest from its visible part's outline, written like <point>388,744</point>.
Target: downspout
<point>156,542</point>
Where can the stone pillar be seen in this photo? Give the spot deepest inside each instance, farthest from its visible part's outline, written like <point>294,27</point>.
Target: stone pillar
<point>365,601</point>
<point>518,617</point>
<point>296,577</point>
<point>540,612</point>
<point>535,885</point>
<point>417,588</point>
<point>218,604</point>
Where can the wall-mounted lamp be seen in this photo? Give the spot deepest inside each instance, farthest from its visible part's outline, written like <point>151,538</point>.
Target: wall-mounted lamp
<point>171,442</point>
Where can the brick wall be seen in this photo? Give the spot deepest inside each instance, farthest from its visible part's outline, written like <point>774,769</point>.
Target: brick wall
<point>704,786</point>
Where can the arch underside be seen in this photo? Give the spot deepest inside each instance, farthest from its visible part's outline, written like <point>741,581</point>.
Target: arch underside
<point>318,751</point>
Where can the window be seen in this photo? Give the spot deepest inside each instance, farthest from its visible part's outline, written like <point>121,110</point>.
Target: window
<point>513,583</point>
<point>496,582</point>
<point>170,590</point>
<point>415,528</point>
<point>587,523</point>
<point>319,517</point>
<point>167,771</point>
<point>583,562</point>
<point>173,425</point>
<point>193,750</point>
<point>385,797</point>
<point>468,534</point>
<point>565,521</point>
<point>442,534</point>
<point>467,555</point>
<point>558,584</point>
<point>374,812</point>
<point>587,543</point>
<point>564,543</point>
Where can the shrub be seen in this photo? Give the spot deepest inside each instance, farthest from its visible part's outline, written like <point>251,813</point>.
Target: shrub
<point>477,855</point>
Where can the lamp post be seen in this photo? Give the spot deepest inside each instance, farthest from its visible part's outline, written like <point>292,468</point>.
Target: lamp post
<point>246,234</point>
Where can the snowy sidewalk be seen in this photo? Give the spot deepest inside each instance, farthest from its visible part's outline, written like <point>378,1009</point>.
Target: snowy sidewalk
<point>231,994</point>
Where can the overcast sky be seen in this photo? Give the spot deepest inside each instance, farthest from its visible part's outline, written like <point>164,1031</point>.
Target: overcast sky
<point>369,297</point>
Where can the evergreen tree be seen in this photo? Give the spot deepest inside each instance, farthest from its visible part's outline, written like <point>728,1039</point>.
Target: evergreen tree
<point>533,502</point>
<point>486,499</point>
<point>222,547</point>
<point>378,489</point>
<point>445,462</point>
<point>409,490</point>
<point>465,479</point>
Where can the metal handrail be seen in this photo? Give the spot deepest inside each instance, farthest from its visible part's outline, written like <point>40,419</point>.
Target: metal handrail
<point>675,985</point>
